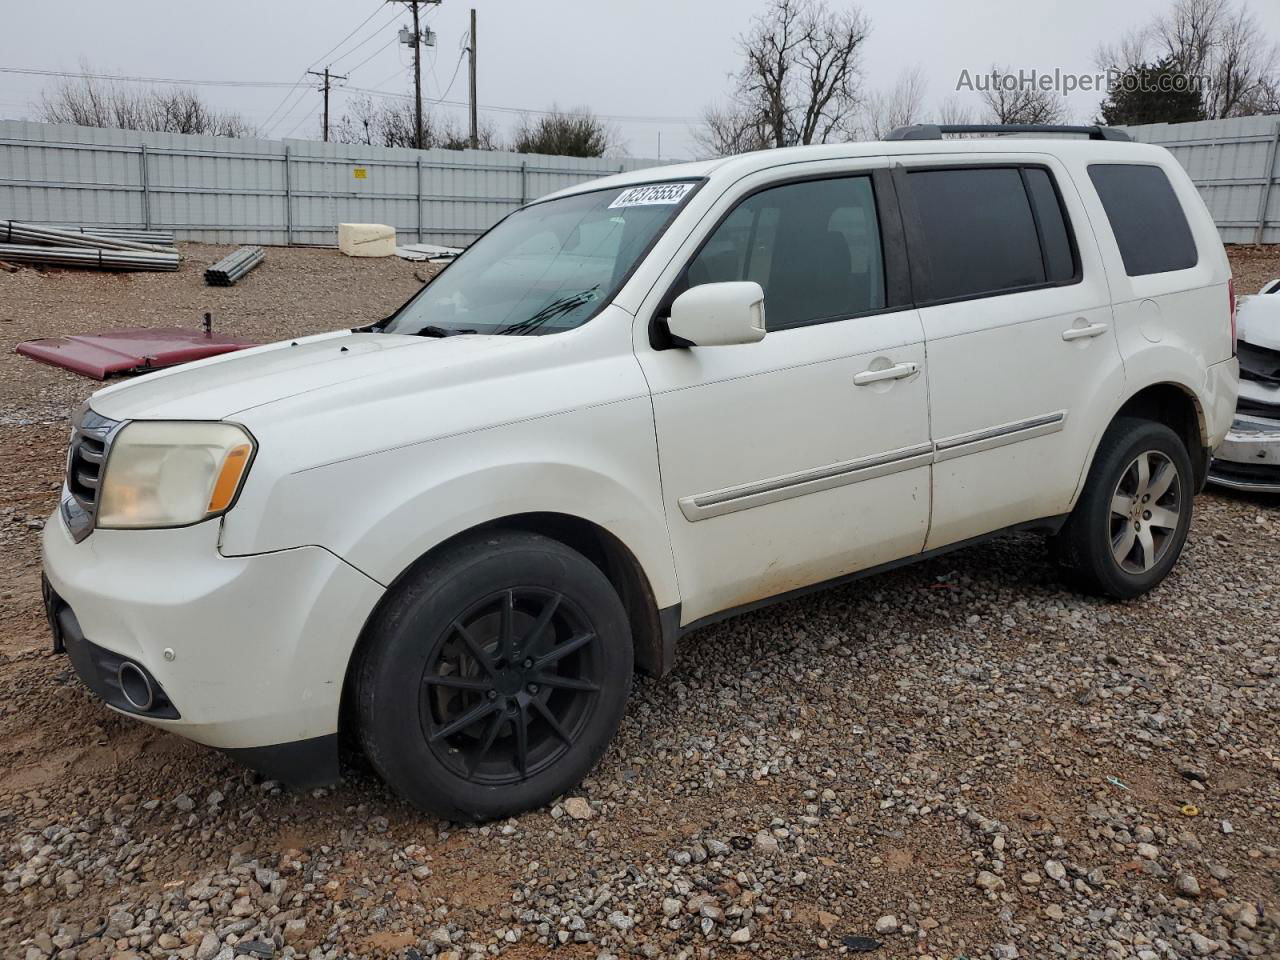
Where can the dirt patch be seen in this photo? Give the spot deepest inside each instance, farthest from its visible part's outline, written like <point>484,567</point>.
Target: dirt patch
<point>929,746</point>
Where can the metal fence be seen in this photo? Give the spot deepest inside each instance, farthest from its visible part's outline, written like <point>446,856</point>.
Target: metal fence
<point>218,190</point>
<point>282,192</point>
<point>1235,165</point>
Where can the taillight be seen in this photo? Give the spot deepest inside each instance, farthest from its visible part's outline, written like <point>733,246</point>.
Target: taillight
<point>1231,296</point>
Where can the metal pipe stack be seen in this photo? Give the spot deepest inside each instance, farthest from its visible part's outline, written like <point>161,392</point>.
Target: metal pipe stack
<point>88,257</point>
<point>63,247</point>
<point>233,266</point>
<point>156,238</point>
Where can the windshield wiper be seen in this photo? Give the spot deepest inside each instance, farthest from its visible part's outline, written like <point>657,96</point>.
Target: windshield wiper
<point>553,309</point>
<point>430,330</point>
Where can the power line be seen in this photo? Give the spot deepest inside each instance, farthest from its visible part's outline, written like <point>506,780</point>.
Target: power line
<point>458,66</point>
<point>495,108</point>
<point>279,84</point>
<point>111,76</point>
<point>376,11</point>
<point>382,26</point>
<point>303,76</point>
<point>302,99</point>
<point>372,55</point>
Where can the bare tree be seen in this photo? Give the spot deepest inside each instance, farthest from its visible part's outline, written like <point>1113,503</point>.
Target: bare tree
<point>899,106</point>
<point>566,133</point>
<point>1242,66</point>
<point>90,102</point>
<point>1189,31</point>
<point>951,110</point>
<point>1007,100</point>
<point>729,130</point>
<point>798,82</point>
<point>1128,51</point>
<point>389,122</point>
<point>1222,47</point>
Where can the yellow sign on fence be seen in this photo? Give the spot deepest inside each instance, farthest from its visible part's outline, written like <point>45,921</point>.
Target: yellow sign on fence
<point>360,173</point>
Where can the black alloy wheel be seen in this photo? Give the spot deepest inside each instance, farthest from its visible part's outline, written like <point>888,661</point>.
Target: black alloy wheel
<point>508,691</point>
<point>493,676</point>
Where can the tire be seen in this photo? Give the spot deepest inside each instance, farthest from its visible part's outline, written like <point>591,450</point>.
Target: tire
<point>494,677</point>
<point>1123,553</point>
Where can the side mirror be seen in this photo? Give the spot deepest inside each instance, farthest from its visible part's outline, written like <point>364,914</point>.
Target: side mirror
<point>719,314</point>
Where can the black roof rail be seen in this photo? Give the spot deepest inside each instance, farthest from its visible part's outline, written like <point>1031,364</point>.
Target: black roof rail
<point>934,131</point>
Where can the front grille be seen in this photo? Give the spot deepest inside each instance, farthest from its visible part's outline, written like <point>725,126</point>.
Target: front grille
<point>84,467</point>
<point>90,439</point>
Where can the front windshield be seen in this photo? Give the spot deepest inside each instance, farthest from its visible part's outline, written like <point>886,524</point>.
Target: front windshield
<point>547,267</point>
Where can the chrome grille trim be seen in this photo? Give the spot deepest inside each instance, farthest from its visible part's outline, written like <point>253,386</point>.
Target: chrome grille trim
<point>91,435</point>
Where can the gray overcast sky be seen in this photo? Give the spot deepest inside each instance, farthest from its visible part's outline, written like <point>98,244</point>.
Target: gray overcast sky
<point>662,59</point>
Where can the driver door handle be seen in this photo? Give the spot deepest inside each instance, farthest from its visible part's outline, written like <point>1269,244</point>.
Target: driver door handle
<point>897,372</point>
<point>1079,333</point>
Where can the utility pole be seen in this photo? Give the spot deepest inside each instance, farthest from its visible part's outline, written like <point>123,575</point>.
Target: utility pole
<point>417,77</point>
<point>416,40</point>
<point>325,90</point>
<point>471,50</point>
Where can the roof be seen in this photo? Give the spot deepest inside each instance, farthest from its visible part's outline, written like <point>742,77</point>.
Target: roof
<point>743,164</point>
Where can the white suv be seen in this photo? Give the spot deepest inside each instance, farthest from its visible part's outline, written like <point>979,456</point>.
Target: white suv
<point>630,409</point>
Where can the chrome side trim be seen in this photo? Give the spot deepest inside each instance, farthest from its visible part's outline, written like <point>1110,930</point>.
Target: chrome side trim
<point>700,506</point>
<point>963,444</point>
<point>731,499</point>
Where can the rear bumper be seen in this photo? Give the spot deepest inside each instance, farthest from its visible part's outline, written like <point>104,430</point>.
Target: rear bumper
<point>1249,458</point>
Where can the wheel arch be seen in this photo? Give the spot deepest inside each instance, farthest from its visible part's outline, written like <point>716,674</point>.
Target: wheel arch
<point>654,630</point>
<point>1178,407</point>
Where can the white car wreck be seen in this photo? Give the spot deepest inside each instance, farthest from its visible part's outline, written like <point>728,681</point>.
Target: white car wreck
<point>1249,459</point>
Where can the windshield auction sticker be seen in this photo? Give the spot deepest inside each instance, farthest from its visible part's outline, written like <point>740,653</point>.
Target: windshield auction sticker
<point>653,193</point>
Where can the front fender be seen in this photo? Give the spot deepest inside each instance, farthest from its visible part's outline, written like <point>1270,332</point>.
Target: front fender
<point>383,511</point>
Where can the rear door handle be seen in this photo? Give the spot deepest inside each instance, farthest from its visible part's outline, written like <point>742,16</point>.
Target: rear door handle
<point>1079,333</point>
<point>898,372</point>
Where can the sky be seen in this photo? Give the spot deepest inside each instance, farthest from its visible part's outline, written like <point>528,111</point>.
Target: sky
<point>650,68</point>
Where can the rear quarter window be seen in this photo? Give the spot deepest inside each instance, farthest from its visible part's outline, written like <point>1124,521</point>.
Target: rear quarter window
<point>1146,218</point>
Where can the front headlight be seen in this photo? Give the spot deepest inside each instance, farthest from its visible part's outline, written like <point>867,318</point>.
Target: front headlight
<point>163,473</point>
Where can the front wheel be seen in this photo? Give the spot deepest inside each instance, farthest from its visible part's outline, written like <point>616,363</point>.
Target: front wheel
<point>1131,522</point>
<point>495,677</point>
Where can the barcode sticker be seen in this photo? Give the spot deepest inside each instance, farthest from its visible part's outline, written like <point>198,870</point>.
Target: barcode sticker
<point>651,194</point>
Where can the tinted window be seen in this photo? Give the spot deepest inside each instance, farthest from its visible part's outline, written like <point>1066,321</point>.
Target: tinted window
<point>813,246</point>
<point>1059,262</point>
<point>979,235</point>
<point>1146,218</point>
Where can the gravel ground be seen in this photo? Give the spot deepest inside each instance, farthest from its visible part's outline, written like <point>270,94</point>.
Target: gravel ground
<point>960,759</point>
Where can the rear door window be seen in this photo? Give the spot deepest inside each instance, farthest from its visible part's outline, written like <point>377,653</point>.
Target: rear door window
<point>813,246</point>
<point>1149,226</point>
<point>980,235</point>
<point>1055,237</point>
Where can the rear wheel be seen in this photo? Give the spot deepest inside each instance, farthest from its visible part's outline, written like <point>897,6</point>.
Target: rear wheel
<point>1131,522</point>
<point>495,678</point>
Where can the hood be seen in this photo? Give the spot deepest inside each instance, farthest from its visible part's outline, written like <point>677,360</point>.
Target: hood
<point>1258,320</point>
<point>225,386</point>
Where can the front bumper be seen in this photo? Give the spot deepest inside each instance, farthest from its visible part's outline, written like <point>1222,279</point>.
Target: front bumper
<point>250,653</point>
<point>1249,458</point>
